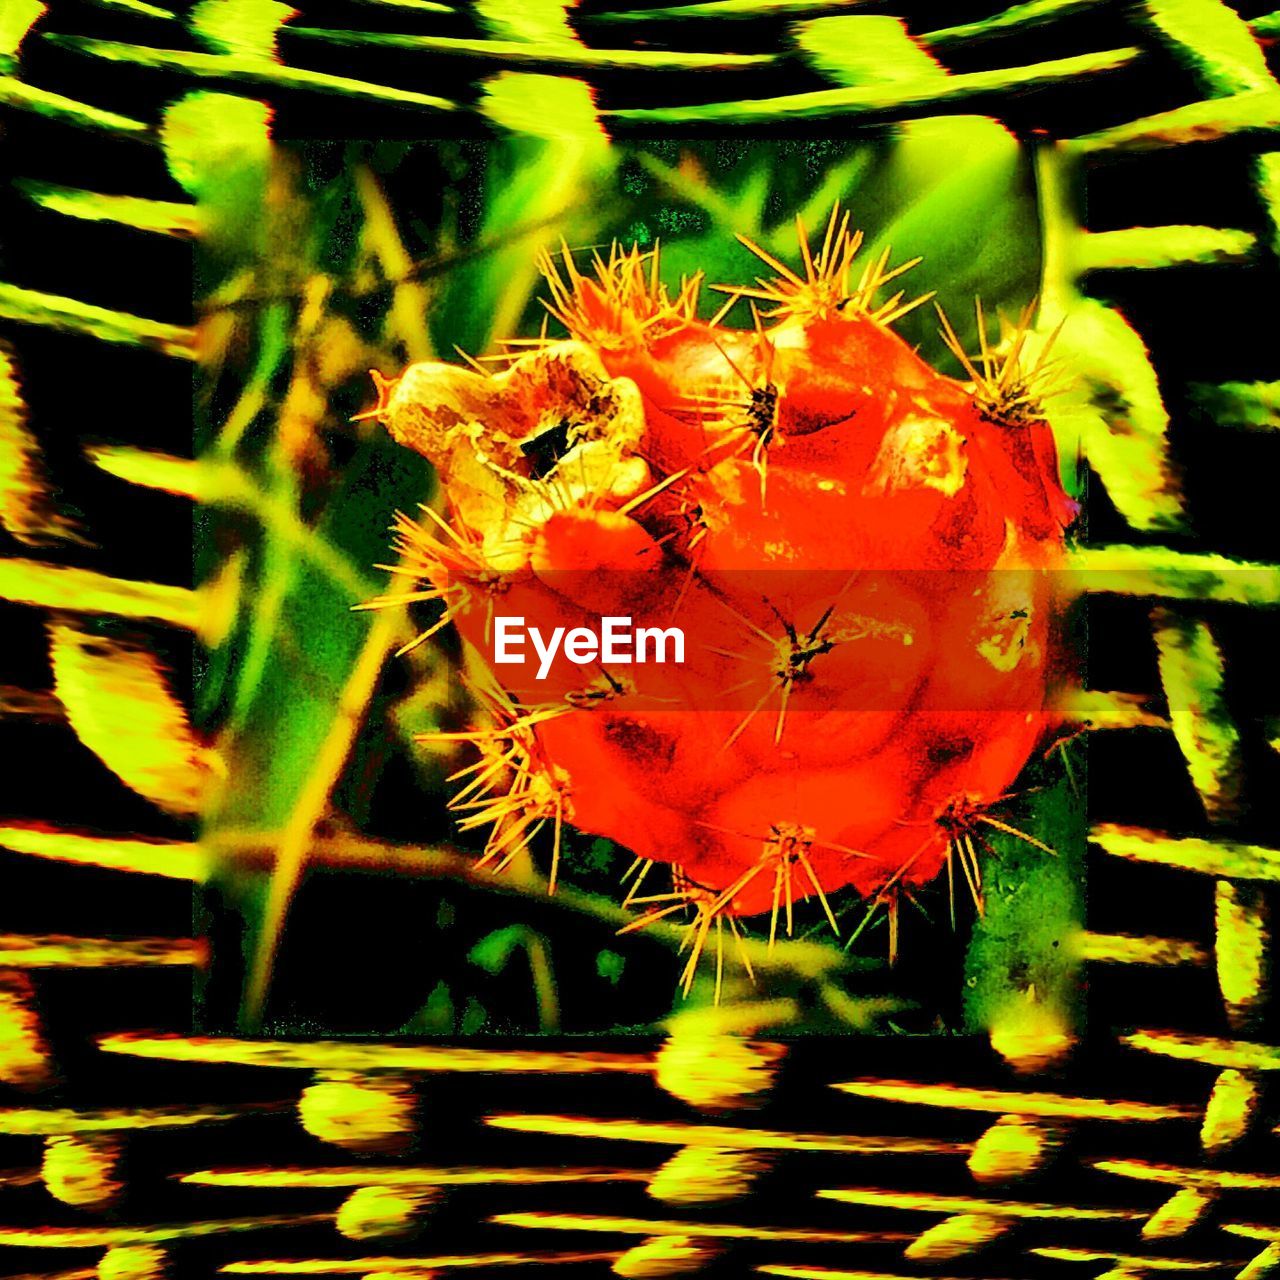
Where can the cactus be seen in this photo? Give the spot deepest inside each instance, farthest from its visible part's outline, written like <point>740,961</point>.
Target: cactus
<point>863,547</point>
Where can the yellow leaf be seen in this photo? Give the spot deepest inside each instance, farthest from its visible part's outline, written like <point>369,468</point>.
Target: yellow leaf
<point>120,705</point>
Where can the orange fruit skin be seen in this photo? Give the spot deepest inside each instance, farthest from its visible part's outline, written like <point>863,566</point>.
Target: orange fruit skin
<point>878,488</point>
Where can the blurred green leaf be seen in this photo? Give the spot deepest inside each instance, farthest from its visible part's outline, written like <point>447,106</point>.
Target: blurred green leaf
<point>609,965</point>
<point>1240,404</point>
<point>1021,969</point>
<point>245,27</point>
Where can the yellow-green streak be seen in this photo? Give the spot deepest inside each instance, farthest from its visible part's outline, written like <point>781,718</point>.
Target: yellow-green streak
<point>175,860</point>
<point>722,1136</point>
<point>1240,115</point>
<point>1240,404</point>
<point>27,306</point>
<point>166,217</point>
<point>106,1237</point>
<point>927,1202</point>
<point>249,69</point>
<point>39,1122</point>
<point>1121,948</point>
<point>1213,1051</point>
<point>925,93</point>
<point>1207,1179</point>
<point>732,9</point>
<point>1129,1261</point>
<point>1171,246</point>
<point>51,586</point>
<point>998,1102</point>
<point>53,106</point>
<point>337,1055</point>
<point>372,1176</point>
<point>419,1268</point>
<point>522,53</point>
<point>699,1230</point>
<point>1217,857</point>
<point>1160,572</point>
<point>1193,673</point>
<point>1031,14</point>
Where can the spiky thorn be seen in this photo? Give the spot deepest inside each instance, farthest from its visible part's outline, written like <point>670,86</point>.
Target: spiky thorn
<point>517,347</point>
<point>888,896</point>
<point>787,660</point>
<point>473,362</point>
<point>961,820</point>
<point>606,687</point>
<point>639,869</point>
<point>628,285</point>
<point>826,289</point>
<point>384,388</point>
<point>450,561</point>
<point>782,852</point>
<point>1009,386</point>
<point>709,909</point>
<point>514,789</point>
<point>750,421</point>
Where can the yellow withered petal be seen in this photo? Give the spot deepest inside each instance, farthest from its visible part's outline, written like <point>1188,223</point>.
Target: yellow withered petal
<point>1183,1210</point>
<point>1012,1148</point>
<point>1231,1109</point>
<point>703,1175</point>
<point>376,1213</point>
<point>1262,1264</point>
<point>25,1060</point>
<point>132,1262</point>
<point>119,703</point>
<point>955,1236</point>
<point>27,510</point>
<point>82,1171</point>
<point>1242,944</point>
<point>665,1256</point>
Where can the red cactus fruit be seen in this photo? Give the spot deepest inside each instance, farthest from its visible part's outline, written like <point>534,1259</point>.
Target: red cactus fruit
<point>859,548</point>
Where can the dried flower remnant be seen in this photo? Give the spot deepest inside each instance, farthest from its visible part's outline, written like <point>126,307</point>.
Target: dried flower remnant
<point>861,547</point>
